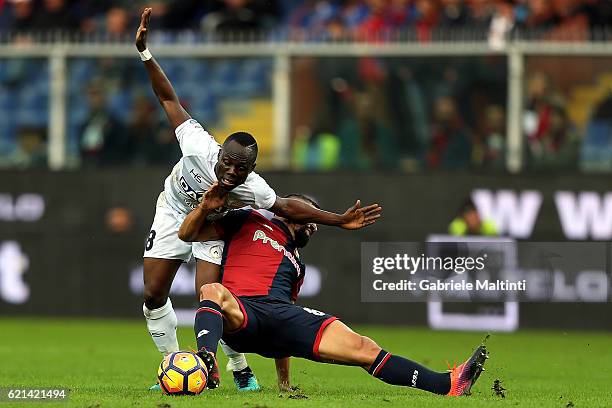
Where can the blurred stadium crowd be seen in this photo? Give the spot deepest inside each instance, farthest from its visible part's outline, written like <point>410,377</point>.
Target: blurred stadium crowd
<point>313,19</point>
<point>451,114</point>
<point>356,113</point>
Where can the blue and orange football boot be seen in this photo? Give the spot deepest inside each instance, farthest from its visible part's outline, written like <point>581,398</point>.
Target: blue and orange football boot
<point>464,376</point>
<point>210,361</point>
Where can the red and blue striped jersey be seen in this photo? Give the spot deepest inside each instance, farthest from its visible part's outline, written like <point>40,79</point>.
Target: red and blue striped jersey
<point>259,257</point>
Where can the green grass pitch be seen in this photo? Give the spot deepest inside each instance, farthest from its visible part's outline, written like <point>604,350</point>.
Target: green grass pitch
<point>109,363</point>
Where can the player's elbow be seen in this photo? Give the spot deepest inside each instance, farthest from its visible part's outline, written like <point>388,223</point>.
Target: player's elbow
<point>185,235</point>
<point>282,207</point>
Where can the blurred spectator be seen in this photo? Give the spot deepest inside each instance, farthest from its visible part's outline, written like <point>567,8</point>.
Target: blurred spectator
<point>240,19</point>
<point>540,97</point>
<point>91,14</point>
<point>30,150</point>
<point>23,15</point>
<point>118,23</point>
<point>119,220</point>
<point>149,141</point>
<point>450,144</point>
<point>376,26</point>
<point>427,17</point>
<point>489,150</point>
<point>167,151</point>
<point>552,141</point>
<point>141,131</point>
<point>454,13</point>
<point>557,148</point>
<point>571,23</point>
<point>401,13</point>
<point>314,15</point>
<point>367,139</point>
<point>599,14</point>
<point>568,20</point>
<point>501,25</point>
<point>317,150</point>
<point>102,140</point>
<point>182,14</point>
<point>469,222</point>
<point>596,153</point>
<point>54,15</point>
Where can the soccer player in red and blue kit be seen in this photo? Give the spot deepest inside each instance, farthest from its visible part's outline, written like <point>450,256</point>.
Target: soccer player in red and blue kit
<point>252,308</point>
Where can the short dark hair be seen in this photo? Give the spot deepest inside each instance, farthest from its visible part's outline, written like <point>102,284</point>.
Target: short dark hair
<point>245,140</point>
<point>304,197</point>
<point>468,205</point>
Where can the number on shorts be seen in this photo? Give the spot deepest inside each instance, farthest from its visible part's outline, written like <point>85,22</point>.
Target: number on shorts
<point>150,240</point>
<point>313,311</point>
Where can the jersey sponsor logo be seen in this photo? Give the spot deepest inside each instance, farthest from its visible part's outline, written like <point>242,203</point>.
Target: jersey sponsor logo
<point>260,235</point>
<point>193,197</point>
<point>196,176</point>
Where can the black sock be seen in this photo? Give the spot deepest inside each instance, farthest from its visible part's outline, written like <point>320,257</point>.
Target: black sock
<point>208,325</point>
<point>397,370</point>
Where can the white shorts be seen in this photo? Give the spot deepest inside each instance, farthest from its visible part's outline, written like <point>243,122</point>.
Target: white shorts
<point>163,241</point>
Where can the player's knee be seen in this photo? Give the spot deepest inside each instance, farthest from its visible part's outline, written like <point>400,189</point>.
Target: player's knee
<point>212,291</point>
<point>367,350</point>
<point>154,296</point>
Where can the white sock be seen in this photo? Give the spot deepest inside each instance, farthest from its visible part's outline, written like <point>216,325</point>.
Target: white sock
<point>236,361</point>
<point>162,327</point>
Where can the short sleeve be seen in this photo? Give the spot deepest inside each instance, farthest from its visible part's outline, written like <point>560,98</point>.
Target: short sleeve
<point>194,140</point>
<point>255,192</point>
<point>231,223</point>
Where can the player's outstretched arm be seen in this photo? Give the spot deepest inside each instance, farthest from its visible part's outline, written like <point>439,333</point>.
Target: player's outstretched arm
<point>161,85</point>
<point>195,227</point>
<point>354,218</point>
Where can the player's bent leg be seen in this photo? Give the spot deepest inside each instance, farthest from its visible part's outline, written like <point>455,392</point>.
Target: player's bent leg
<point>225,302</point>
<point>245,380</point>
<point>340,345</point>
<point>206,272</point>
<point>218,308</point>
<point>157,307</point>
<point>158,275</point>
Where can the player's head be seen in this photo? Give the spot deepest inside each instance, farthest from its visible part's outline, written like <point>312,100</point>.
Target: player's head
<point>302,232</point>
<point>236,159</point>
<point>470,216</point>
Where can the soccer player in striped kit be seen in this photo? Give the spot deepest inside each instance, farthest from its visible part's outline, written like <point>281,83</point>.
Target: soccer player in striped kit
<point>253,308</point>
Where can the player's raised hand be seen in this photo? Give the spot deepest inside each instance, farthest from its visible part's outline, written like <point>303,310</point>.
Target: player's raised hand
<point>141,34</point>
<point>215,197</point>
<point>358,217</point>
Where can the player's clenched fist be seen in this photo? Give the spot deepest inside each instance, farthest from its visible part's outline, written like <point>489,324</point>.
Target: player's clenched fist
<point>215,197</point>
<point>141,34</point>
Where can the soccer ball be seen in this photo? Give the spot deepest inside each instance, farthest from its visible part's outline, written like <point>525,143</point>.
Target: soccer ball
<point>182,373</point>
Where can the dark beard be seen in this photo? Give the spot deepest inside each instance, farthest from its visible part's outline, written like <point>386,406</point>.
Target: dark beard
<point>301,238</point>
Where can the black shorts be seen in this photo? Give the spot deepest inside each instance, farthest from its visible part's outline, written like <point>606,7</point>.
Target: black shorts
<point>277,329</point>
